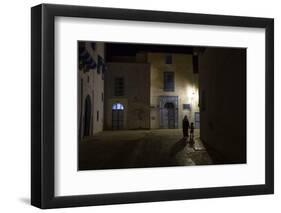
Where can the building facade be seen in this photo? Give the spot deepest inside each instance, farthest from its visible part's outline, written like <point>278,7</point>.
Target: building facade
<point>90,88</point>
<point>127,92</point>
<point>173,90</point>
<point>150,91</point>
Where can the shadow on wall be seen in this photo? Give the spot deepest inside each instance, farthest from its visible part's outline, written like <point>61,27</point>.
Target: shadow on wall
<point>222,79</point>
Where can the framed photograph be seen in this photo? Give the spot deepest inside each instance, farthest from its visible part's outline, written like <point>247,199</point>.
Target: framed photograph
<point>139,106</point>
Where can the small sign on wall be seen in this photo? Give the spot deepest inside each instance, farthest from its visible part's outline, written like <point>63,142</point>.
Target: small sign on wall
<point>186,107</point>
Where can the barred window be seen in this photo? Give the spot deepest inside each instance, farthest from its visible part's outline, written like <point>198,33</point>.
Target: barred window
<point>169,81</point>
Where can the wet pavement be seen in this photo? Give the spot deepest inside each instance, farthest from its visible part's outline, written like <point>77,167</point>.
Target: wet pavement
<point>141,149</point>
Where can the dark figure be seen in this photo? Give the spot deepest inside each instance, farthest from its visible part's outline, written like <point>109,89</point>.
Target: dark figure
<point>191,131</point>
<point>185,126</point>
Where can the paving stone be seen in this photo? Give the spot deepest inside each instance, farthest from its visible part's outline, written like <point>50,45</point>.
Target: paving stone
<point>141,149</point>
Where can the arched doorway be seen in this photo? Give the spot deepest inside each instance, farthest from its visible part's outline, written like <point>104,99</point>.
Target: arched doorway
<point>87,116</point>
<point>169,115</point>
<point>117,116</point>
<point>168,111</point>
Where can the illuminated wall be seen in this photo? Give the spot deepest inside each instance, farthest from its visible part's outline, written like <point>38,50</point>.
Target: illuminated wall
<point>186,85</point>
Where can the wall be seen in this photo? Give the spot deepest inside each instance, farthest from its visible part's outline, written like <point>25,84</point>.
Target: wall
<point>186,85</point>
<point>15,107</point>
<point>98,92</point>
<point>222,74</point>
<point>93,85</point>
<point>136,94</point>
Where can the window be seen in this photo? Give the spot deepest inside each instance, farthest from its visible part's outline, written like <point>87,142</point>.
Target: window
<point>168,59</point>
<point>117,116</point>
<point>117,106</point>
<point>197,120</point>
<point>169,81</point>
<point>102,96</point>
<point>119,87</point>
<point>186,106</point>
<point>98,115</point>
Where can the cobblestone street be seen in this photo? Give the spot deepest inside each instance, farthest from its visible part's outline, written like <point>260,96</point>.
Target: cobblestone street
<point>141,148</point>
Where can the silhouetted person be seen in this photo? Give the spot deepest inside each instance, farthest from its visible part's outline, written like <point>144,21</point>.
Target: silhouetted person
<point>185,126</point>
<point>191,131</point>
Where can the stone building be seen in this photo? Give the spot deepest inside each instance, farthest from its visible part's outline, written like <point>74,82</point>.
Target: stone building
<point>147,90</point>
<point>127,89</point>
<point>151,90</point>
<point>173,90</point>
<point>90,88</point>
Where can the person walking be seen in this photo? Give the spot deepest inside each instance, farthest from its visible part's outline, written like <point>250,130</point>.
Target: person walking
<point>185,126</point>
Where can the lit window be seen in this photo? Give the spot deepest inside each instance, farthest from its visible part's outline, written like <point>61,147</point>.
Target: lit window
<point>117,106</point>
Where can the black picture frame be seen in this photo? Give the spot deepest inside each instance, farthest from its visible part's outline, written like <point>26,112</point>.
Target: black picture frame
<point>43,105</point>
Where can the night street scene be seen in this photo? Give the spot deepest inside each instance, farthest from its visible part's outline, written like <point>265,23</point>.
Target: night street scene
<point>154,105</point>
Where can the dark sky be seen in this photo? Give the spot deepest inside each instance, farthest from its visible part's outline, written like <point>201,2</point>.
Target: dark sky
<point>124,49</point>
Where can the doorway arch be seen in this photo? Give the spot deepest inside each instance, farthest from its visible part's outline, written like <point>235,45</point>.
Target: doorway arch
<point>117,116</point>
